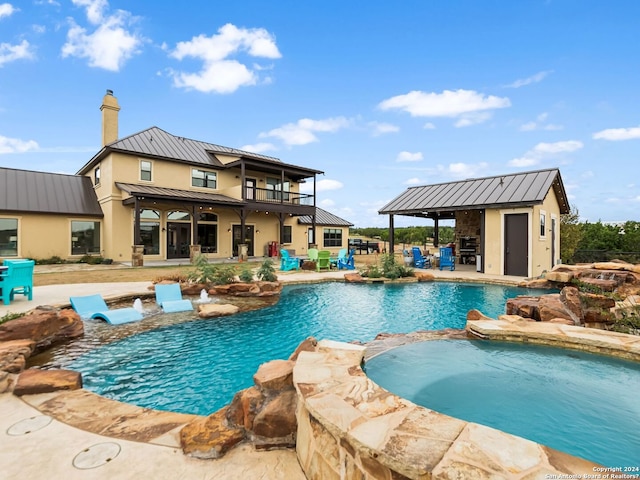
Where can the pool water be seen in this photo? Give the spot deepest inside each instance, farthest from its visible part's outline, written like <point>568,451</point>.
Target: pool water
<point>580,403</point>
<point>196,366</point>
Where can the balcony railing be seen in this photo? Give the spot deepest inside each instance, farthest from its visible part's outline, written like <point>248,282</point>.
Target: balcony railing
<point>265,195</point>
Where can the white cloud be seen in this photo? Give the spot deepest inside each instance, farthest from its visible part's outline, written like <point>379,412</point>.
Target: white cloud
<point>382,128</point>
<point>466,170</point>
<point>110,45</point>
<point>259,147</point>
<point>10,53</point>
<point>327,203</point>
<point>538,77</point>
<point>15,145</point>
<point>468,119</point>
<point>95,9</point>
<point>545,150</point>
<point>429,126</point>
<point>6,10</point>
<point>323,185</point>
<point>616,134</point>
<point>459,103</point>
<point>219,73</point>
<point>302,132</point>
<point>539,124</point>
<point>409,157</point>
<point>413,181</point>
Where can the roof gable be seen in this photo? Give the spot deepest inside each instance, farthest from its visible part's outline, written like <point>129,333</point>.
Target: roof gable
<point>42,192</point>
<point>513,190</point>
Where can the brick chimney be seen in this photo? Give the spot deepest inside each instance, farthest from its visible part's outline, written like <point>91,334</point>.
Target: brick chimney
<point>109,109</point>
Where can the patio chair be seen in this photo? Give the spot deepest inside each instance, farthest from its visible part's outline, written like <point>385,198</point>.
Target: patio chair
<point>94,307</point>
<point>288,263</point>
<point>312,253</point>
<point>16,279</point>
<point>419,260</point>
<point>169,297</point>
<point>342,255</point>
<point>447,259</point>
<point>348,263</point>
<point>324,260</point>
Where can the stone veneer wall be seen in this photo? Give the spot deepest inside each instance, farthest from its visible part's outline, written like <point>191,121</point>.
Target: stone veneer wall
<point>350,428</point>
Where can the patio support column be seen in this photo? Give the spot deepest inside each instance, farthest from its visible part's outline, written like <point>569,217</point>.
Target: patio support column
<point>313,217</point>
<point>243,227</point>
<point>280,227</point>
<point>243,195</point>
<point>391,235</point>
<point>136,222</point>
<point>194,225</point>
<point>281,186</point>
<point>436,235</point>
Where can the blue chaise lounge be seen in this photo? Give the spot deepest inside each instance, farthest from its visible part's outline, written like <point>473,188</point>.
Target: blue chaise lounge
<point>94,306</point>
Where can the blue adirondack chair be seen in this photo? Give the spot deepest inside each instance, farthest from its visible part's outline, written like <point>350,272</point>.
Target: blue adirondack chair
<point>169,297</point>
<point>342,255</point>
<point>324,260</point>
<point>447,259</point>
<point>17,279</point>
<point>419,260</point>
<point>287,262</point>
<point>347,263</point>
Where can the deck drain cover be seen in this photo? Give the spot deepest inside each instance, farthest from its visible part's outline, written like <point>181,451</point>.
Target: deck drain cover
<point>96,455</point>
<point>29,425</point>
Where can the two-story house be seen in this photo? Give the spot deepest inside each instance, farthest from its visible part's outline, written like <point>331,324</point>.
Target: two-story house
<point>164,196</point>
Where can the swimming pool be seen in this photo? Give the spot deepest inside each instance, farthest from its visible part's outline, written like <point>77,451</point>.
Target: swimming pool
<point>197,366</point>
<point>580,403</point>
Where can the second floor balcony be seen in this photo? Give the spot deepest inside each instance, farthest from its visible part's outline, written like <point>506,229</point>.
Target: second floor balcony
<point>266,195</point>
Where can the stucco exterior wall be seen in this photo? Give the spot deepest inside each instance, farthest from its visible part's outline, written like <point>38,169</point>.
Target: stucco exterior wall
<point>494,238</point>
<point>44,236</point>
<point>542,247</point>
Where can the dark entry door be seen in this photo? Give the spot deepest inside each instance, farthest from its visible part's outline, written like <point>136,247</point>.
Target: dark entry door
<point>248,238</point>
<point>516,248</point>
<point>178,240</point>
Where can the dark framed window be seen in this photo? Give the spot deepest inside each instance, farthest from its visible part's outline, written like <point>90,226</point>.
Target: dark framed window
<point>332,237</point>
<point>150,231</point>
<point>543,224</point>
<point>96,176</point>
<point>286,234</point>
<point>8,237</point>
<point>203,178</point>
<point>276,190</point>
<point>85,238</point>
<point>145,170</point>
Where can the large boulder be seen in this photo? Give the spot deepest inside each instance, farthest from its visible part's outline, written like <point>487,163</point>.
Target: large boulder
<point>34,381</point>
<point>570,298</point>
<point>524,306</point>
<point>424,276</point>
<point>211,310</point>
<point>275,375</point>
<point>210,437</point>
<point>551,306</point>
<point>14,355</point>
<point>45,326</point>
<point>353,278</point>
<point>244,406</point>
<point>275,424</point>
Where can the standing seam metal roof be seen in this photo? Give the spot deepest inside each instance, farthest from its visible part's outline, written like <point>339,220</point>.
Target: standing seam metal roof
<point>43,192</point>
<point>518,189</point>
<point>175,194</point>
<point>324,218</point>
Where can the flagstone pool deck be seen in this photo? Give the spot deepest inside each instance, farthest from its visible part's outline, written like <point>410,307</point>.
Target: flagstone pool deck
<point>80,435</point>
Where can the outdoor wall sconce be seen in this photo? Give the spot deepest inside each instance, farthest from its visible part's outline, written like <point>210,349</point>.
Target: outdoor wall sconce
<point>257,231</point>
<point>228,230</point>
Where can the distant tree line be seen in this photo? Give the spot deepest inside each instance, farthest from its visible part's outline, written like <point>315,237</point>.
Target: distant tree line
<point>585,242</point>
<point>406,235</point>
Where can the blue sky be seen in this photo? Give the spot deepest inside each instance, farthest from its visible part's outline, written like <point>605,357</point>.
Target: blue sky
<point>379,95</point>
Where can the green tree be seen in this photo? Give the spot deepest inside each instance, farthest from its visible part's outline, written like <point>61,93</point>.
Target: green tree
<point>570,234</point>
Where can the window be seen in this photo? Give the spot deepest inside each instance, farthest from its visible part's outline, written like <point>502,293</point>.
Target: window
<point>178,216</point>
<point>274,190</point>
<point>543,224</point>
<point>208,232</point>
<point>145,170</point>
<point>202,178</point>
<point>8,237</point>
<point>332,237</point>
<point>286,234</point>
<point>150,231</point>
<point>85,238</point>
<point>96,176</point>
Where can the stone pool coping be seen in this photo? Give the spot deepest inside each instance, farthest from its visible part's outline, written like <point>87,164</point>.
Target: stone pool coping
<point>349,427</point>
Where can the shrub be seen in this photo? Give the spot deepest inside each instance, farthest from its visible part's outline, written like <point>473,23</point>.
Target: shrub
<point>224,274</point>
<point>204,271</point>
<point>267,271</point>
<point>55,260</point>
<point>246,275</point>
<point>91,260</point>
<point>371,271</point>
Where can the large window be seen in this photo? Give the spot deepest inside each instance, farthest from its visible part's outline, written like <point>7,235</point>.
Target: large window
<point>276,190</point>
<point>150,231</point>
<point>8,237</point>
<point>332,237</point>
<point>286,234</point>
<point>203,178</point>
<point>208,232</point>
<point>145,170</point>
<point>85,238</point>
